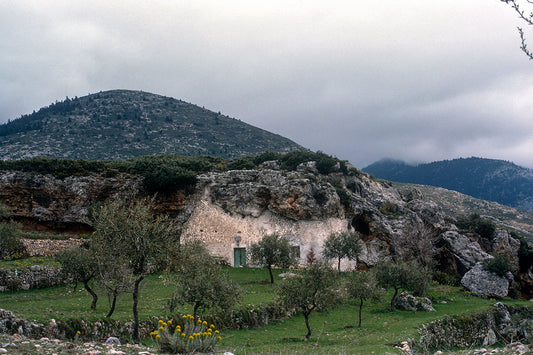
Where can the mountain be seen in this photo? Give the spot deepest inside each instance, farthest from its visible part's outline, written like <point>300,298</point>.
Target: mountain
<point>121,124</point>
<point>488,179</point>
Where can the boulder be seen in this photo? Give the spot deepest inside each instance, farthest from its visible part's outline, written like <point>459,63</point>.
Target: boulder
<point>112,341</point>
<point>409,302</point>
<point>484,283</point>
<point>467,253</point>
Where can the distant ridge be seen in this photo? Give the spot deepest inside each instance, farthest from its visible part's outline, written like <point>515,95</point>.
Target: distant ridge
<point>121,124</point>
<point>488,179</point>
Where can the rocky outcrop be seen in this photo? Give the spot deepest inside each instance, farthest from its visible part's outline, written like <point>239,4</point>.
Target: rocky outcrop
<point>485,283</point>
<point>465,251</point>
<point>46,203</point>
<point>230,210</point>
<point>503,324</point>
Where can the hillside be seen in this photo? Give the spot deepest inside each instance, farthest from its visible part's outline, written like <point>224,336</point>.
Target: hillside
<point>456,204</point>
<point>122,124</point>
<point>488,179</point>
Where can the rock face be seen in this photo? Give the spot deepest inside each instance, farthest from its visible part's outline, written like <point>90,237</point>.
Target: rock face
<point>45,203</point>
<point>230,210</point>
<point>484,283</point>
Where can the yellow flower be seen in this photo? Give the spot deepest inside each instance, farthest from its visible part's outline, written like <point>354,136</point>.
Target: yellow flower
<point>212,326</point>
<point>219,338</point>
<point>155,332</point>
<point>161,328</point>
<point>199,321</point>
<point>191,337</point>
<point>169,322</point>
<point>209,334</point>
<point>158,336</point>
<point>216,332</point>
<point>184,316</point>
<point>160,321</point>
<point>204,334</point>
<point>183,335</point>
<point>78,332</point>
<point>204,323</point>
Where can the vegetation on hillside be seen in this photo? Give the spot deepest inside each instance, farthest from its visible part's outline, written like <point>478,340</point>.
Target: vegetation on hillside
<point>122,124</point>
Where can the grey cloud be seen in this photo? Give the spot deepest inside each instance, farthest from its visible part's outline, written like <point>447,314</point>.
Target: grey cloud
<point>414,80</point>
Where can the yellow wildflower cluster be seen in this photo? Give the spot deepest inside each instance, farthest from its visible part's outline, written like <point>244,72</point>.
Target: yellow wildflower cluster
<point>190,336</point>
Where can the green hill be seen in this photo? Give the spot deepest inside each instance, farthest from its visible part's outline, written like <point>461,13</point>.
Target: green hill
<point>121,124</point>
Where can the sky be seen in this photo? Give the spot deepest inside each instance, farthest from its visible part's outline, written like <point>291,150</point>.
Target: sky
<point>414,80</point>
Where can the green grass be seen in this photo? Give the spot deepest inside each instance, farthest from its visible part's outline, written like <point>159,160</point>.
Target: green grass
<point>333,331</point>
<point>25,263</point>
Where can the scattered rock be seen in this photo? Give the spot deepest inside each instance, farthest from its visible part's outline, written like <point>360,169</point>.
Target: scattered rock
<point>409,302</point>
<point>112,341</point>
<point>484,283</point>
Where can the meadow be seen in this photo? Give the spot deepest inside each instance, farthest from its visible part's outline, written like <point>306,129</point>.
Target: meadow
<point>334,331</point>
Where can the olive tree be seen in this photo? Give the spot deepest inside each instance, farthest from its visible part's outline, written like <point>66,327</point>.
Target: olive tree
<point>200,281</point>
<point>272,250</point>
<point>363,286</point>
<point>79,263</point>
<point>400,275</point>
<point>342,245</point>
<point>315,288</point>
<point>127,233</point>
<point>11,244</point>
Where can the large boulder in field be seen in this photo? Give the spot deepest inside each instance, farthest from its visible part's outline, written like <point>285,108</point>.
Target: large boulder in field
<point>409,302</point>
<point>485,283</point>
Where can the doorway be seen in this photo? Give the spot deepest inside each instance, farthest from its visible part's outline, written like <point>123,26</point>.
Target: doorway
<point>239,257</point>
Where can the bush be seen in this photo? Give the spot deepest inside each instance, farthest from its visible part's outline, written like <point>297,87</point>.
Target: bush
<point>11,244</point>
<point>344,197</point>
<point>482,226</point>
<point>189,337</point>
<point>499,264</point>
<point>167,179</point>
<point>448,277</point>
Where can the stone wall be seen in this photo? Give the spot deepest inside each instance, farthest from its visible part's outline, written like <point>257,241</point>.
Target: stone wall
<point>32,278</point>
<point>49,247</point>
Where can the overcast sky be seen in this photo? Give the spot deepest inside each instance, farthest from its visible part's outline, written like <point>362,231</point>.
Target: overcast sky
<point>416,80</point>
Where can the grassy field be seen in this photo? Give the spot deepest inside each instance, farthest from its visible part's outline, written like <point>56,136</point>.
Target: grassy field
<point>333,331</point>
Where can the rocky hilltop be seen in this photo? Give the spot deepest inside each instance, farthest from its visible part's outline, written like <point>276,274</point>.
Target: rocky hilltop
<point>122,124</point>
<point>230,209</point>
<point>488,179</point>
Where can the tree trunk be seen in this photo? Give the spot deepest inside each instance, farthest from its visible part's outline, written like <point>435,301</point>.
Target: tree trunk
<point>393,300</point>
<point>195,309</point>
<point>308,335</point>
<point>90,290</point>
<point>113,304</point>
<point>271,276</point>
<point>136,284</point>
<point>339,266</point>
<point>360,310</point>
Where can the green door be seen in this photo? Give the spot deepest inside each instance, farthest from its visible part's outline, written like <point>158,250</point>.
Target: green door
<point>239,257</point>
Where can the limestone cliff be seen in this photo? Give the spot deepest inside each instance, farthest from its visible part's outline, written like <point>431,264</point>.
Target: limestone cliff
<point>230,210</point>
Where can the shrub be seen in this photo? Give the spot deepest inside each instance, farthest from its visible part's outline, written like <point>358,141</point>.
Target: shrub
<point>11,244</point>
<point>344,197</point>
<point>499,264</point>
<point>482,226</point>
<point>388,208</point>
<point>191,336</point>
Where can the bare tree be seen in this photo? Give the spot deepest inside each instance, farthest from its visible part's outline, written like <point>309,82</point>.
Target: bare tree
<point>524,9</point>
<point>417,242</point>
